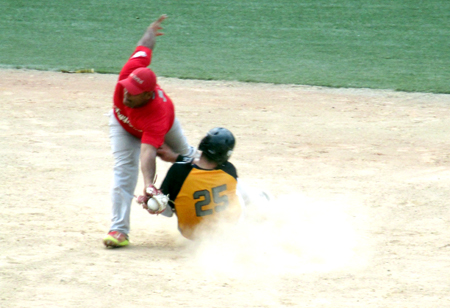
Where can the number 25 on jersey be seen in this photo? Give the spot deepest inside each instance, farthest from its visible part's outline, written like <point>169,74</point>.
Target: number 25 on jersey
<point>220,201</point>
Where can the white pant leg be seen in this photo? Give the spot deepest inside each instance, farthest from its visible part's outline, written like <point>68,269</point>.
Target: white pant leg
<point>177,141</point>
<point>251,195</point>
<point>126,150</point>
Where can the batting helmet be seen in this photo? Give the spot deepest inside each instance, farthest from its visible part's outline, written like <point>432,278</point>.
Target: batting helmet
<point>218,145</point>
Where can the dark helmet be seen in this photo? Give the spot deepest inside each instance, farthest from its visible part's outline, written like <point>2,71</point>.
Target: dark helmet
<point>218,144</point>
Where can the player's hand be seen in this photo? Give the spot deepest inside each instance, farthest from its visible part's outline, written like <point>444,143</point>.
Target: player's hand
<point>149,38</point>
<point>167,154</point>
<point>158,200</point>
<point>148,193</point>
<point>156,25</point>
<point>142,200</point>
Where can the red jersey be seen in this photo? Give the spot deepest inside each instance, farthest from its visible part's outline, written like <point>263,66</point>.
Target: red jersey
<point>151,122</point>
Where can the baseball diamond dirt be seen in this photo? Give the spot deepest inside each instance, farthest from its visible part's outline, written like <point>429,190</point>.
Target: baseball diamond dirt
<point>360,216</point>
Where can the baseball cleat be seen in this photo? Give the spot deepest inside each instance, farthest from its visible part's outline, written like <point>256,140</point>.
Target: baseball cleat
<point>115,239</point>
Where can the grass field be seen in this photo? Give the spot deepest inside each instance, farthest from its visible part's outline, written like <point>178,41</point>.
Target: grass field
<point>401,45</point>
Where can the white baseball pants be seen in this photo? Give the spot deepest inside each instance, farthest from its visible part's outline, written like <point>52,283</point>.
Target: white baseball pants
<point>126,151</point>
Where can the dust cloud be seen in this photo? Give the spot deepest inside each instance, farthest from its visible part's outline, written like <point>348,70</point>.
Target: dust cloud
<point>290,234</point>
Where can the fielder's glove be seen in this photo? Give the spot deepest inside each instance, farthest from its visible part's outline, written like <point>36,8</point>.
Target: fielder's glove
<point>153,200</point>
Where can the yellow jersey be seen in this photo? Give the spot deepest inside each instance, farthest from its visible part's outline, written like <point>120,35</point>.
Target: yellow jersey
<point>202,199</point>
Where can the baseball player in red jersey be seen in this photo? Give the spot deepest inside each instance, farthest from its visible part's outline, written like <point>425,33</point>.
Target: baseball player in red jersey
<point>204,191</point>
<point>142,120</point>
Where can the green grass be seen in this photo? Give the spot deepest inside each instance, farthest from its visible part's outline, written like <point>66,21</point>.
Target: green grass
<point>401,45</point>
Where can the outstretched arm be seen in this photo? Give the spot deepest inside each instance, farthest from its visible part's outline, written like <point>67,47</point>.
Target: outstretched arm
<point>149,38</point>
<point>148,163</point>
<point>152,200</point>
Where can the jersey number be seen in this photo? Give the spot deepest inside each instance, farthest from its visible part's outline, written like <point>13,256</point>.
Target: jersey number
<point>220,200</point>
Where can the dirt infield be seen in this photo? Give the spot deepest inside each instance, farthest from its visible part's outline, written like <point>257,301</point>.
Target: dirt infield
<point>361,217</point>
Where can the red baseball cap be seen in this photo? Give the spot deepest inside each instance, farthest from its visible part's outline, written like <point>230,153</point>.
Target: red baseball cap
<point>140,80</point>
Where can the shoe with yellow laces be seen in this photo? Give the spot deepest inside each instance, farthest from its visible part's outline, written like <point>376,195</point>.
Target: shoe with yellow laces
<point>115,239</point>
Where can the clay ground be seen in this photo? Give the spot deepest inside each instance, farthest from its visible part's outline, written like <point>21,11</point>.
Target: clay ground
<point>360,178</point>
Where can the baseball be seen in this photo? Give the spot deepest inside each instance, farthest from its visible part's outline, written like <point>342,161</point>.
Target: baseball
<point>152,204</point>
